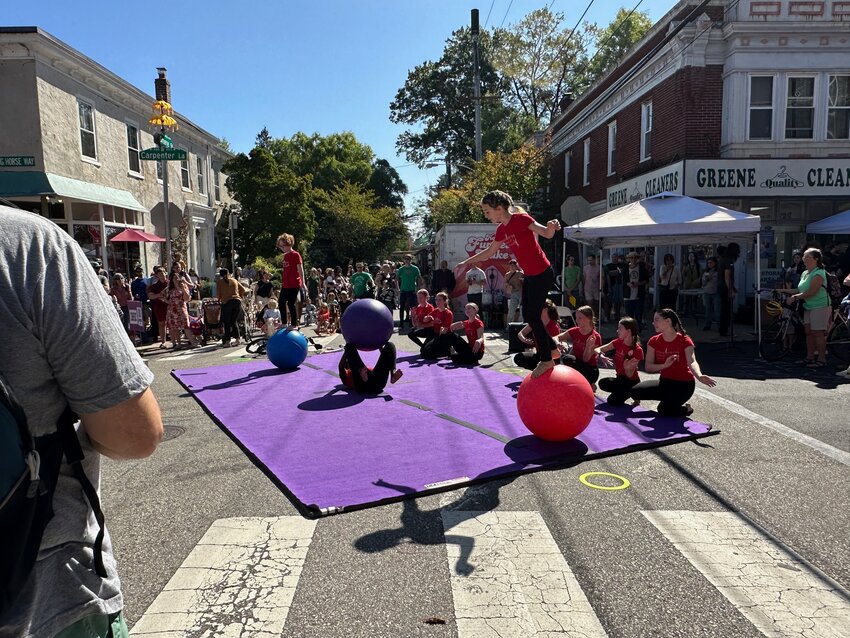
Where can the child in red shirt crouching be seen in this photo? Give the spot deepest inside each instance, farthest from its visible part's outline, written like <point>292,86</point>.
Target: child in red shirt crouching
<point>440,321</point>
<point>471,351</point>
<point>627,354</point>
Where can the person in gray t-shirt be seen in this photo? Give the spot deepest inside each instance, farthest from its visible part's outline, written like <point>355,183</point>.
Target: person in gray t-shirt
<point>63,344</point>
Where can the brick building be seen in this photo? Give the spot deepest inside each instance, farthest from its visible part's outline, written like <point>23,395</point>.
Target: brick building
<point>70,137</point>
<point>745,103</point>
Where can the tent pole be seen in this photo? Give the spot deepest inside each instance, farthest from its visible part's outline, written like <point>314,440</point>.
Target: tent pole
<point>599,296</point>
<point>758,286</point>
<point>563,265</point>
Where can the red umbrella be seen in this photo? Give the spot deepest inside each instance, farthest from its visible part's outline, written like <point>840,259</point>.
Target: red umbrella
<point>131,234</point>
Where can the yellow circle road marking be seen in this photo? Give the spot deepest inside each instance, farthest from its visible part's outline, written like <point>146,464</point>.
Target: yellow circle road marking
<point>522,371</point>
<point>625,482</point>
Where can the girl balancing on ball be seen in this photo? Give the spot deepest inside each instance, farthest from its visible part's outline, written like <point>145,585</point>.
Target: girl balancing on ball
<point>670,352</point>
<point>627,354</point>
<point>518,231</point>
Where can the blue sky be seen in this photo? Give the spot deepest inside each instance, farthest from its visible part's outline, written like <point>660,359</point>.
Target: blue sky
<point>315,66</point>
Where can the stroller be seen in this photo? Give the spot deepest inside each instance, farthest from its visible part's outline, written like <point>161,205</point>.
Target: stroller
<point>196,321</point>
<point>211,319</point>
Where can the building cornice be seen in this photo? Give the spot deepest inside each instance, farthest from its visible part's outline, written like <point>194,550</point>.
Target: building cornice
<point>43,48</point>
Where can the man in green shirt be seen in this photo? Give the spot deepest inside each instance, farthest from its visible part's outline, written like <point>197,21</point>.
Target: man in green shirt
<point>362,283</point>
<point>409,280</point>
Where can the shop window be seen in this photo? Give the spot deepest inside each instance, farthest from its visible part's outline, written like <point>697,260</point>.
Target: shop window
<point>838,113</point>
<point>766,209</point>
<point>88,237</point>
<point>761,108</point>
<point>159,171</point>
<point>85,211</point>
<point>800,109</point>
<point>202,184</point>
<point>217,185</point>
<point>817,209</point>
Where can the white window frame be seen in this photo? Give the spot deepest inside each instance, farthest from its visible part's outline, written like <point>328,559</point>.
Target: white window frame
<point>646,118</point>
<point>815,127</point>
<point>80,129</point>
<point>130,149</point>
<point>612,147</point>
<point>771,108</point>
<point>217,185</point>
<point>829,77</point>
<point>586,160</point>
<point>201,167</point>
<point>184,170</point>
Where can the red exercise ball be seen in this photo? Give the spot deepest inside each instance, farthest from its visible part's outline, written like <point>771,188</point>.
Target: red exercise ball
<point>556,406</point>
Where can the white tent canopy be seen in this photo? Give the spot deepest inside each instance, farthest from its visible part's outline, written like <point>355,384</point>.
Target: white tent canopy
<point>665,218</point>
<point>838,224</point>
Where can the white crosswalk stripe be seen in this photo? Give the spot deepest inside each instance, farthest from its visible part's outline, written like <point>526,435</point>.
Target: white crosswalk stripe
<point>509,578</point>
<point>239,580</point>
<point>778,592</point>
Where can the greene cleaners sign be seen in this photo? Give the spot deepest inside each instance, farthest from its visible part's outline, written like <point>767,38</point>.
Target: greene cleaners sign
<point>767,178</point>
<point>668,179</point>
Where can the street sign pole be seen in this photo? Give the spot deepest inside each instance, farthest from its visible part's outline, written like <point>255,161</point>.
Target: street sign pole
<point>167,212</point>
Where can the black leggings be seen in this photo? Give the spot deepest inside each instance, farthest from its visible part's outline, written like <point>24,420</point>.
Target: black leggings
<point>588,371</point>
<point>377,377</point>
<point>465,355</point>
<point>436,347</point>
<point>671,395</point>
<point>287,298</point>
<point>229,316</point>
<point>535,288</point>
<point>619,387</point>
<point>417,336</point>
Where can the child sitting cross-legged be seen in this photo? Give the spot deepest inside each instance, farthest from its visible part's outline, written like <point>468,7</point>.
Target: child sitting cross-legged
<point>471,351</point>
<point>421,329</point>
<point>271,317</point>
<point>323,321</point>
<point>440,321</point>
<point>628,353</point>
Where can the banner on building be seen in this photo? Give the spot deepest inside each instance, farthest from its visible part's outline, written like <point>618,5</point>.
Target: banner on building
<point>767,178</point>
<point>669,179</point>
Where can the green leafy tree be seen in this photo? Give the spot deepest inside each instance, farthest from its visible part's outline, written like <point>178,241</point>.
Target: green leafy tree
<point>273,199</point>
<point>613,41</point>
<point>522,173</point>
<point>355,226</point>
<point>437,100</point>
<point>537,57</point>
<point>387,185</point>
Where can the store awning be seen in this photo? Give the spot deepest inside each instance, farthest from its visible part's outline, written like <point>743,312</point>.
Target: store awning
<point>36,183</point>
<point>131,234</point>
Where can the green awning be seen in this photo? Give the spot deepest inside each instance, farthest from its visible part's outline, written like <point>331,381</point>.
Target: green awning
<point>36,183</point>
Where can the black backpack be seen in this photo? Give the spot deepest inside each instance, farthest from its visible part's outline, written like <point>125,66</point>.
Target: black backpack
<point>31,465</point>
<point>833,289</point>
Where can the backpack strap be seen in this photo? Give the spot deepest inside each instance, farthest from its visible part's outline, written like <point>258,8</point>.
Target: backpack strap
<point>74,455</point>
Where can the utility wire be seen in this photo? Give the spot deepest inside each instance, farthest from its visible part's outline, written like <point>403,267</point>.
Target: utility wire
<point>491,11</point>
<point>506,13</point>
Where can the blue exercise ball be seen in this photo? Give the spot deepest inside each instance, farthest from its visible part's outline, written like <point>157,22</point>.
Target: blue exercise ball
<point>367,323</point>
<point>287,348</point>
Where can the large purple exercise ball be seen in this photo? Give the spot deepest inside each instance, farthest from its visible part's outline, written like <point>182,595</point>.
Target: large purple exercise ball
<point>367,323</point>
<point>287,348</point>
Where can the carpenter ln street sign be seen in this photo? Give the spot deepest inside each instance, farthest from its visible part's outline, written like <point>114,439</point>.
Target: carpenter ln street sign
<point>163,154</point>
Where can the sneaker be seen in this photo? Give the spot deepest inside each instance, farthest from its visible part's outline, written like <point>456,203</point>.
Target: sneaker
<point>225,344</point>
<point>688,410</point>
<point>237,342</point>
<point>843,373</point>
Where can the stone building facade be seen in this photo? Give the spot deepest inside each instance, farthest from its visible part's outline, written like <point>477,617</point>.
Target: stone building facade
<point>747,105</point>
<point>70,137</point>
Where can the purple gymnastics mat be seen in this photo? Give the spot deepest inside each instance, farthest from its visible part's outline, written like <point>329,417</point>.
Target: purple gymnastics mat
<point>440,427</point>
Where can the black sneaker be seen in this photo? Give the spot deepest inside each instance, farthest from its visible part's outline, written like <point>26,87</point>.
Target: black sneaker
<point>687,409</point>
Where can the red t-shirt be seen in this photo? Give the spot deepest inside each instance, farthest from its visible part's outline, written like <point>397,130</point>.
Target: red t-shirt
<point>552,328</point>
<point>420,312</point>
<point>291,278</point>
<point>471,330</point>
<point>679,371</point>
<point>622,352</point>
<point>442,319</point>
<point>579,341</point>
<point>523,243</point>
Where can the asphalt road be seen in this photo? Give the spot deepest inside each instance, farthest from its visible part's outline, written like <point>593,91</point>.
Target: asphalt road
<point>391,570</point>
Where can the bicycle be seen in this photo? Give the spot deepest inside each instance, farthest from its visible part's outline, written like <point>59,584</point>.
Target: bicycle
<point>784,333</point>
<point>258,344</point>
<point>838,337</point>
